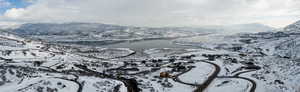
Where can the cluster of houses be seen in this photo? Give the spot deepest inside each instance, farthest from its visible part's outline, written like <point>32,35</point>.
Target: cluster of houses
<point>213,57</point>
<point>230,47</point>
<point>251,65</point>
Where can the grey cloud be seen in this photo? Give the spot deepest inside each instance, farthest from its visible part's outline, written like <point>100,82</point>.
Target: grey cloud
<point>160,12</point>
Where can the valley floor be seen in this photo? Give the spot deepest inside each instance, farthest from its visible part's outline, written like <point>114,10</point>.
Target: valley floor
<point>31,66</point>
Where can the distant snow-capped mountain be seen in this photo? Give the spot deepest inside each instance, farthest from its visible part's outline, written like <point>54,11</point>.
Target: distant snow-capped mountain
<point>63,29</point>
<point>8,25</point>
<point>241,28</point>
<point>247,28</point>
<point>293,27</point>
<point>284,43</point>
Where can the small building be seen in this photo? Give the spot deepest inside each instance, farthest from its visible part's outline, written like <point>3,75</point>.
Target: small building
<point>252,67</point>
<point>211,58</point>
<point>247,41</point>
<point>236,48</point>
<point>165,75</point>
<point>37,63</point>
<point>243,54</point>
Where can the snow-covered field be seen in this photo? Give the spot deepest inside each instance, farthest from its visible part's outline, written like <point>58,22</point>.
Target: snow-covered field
<point>199,74</point>
<point>229,85</point>
<point>260,62</point>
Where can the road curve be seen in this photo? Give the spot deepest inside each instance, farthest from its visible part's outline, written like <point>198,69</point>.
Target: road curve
<point>237,76</point>
<point>252,89</point>
<point>176,79</point>
<point>80,86</point>
<point>204,85</point>
<point>131,87</point>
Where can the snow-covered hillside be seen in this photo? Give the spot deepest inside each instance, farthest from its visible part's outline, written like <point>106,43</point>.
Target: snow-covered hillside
<point>77,32</point>
<point>31,66</point>
<point>293,27</point>
<point>277,53</point>
<point>259,62</point>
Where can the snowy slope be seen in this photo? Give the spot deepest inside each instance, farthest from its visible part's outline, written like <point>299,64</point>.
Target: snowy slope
<point>32,66</point>
<point>260,62</point>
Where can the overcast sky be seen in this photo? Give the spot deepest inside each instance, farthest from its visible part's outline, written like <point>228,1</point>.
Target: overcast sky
<point>276,13</point>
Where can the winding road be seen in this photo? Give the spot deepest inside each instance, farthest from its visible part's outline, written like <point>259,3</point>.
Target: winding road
<point>131,86</point>
<point>237,76</point>
<point>200,87</point>
<point>214,75</point>
<point>176,79</point>
<point>204,85</point>
<point>252,89</point>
